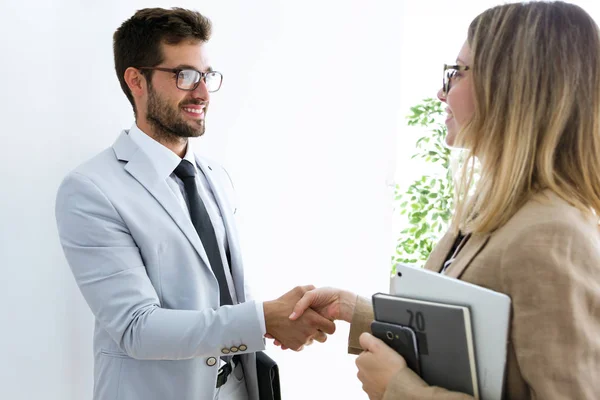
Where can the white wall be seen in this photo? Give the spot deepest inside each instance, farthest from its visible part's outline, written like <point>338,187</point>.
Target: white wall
<point>309,144</point>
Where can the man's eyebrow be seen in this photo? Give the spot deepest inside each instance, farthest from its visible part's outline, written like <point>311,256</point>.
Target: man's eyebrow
<point>187,66</point>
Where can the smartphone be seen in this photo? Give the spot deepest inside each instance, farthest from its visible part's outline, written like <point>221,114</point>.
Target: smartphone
<point>400,338</point>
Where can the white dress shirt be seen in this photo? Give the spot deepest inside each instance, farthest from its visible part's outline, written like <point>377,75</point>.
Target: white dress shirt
<point>165,162</point>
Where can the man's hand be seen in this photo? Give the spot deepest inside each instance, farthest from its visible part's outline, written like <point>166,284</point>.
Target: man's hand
<point>331,303</point>
<point>377,364</point>
<point>294,334</point>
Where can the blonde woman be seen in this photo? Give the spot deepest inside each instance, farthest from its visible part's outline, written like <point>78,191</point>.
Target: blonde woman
<point>524,100</point>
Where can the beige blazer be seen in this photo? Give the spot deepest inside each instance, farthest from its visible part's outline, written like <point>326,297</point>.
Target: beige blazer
<point>547,259</point>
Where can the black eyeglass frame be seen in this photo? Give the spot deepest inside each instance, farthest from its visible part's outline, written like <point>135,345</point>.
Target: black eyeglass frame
<point>177,71</point>
<point>447,78</point>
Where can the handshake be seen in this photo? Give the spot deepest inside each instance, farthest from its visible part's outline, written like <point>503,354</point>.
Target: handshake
<point>305,314</point>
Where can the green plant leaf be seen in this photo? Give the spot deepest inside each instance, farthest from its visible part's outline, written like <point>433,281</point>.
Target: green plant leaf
<point>426,203</point>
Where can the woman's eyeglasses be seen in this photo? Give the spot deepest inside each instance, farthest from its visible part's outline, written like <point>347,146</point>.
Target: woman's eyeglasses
<point>450,72</point>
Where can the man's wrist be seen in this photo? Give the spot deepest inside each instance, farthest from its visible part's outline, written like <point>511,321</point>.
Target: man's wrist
<point>268,307</point>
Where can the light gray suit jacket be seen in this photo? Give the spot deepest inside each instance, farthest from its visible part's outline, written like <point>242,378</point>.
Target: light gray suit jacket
<point>143,271</point>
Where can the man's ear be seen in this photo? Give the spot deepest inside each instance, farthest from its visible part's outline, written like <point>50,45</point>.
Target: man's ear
<point>136,81</point>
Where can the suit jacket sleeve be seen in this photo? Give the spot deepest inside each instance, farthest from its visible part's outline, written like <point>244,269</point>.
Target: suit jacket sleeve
<point>111,275</point>
<point>361,322</point>
<point>248,276</point>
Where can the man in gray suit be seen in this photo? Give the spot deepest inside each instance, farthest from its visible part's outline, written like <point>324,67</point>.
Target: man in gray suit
<point>148,231</point>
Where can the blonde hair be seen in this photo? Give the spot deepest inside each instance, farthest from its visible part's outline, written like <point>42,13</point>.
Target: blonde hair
<point>536,124</point>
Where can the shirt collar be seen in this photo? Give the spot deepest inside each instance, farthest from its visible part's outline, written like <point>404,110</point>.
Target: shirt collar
<point>190,156</point>
<point>163,159</point>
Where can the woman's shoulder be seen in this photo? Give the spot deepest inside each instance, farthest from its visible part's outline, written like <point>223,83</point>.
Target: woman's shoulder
<point>548,228</point>
<point>547,212</point>
<point>549,241</point>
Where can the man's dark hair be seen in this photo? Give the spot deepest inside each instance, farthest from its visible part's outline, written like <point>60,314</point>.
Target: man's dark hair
<point>137,42</point>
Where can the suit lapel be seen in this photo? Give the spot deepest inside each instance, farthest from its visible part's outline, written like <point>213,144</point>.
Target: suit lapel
<point>473,246</point>
<point>231,233</point>
<point>140,167</point>
<point>439,253</point>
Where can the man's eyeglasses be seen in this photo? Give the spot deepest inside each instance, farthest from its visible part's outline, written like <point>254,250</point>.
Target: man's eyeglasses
<point>189,79</point>
<point>450,72</point>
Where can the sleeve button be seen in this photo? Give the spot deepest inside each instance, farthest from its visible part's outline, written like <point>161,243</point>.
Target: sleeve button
<point>211,361</point>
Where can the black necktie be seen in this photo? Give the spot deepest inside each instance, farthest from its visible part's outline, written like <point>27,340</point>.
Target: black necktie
<point>201,220</point>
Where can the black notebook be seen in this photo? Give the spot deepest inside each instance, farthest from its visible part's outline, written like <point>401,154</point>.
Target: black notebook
<point>444,339</point>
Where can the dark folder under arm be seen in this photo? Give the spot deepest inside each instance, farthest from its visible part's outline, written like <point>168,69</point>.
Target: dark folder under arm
<point>268,377</point>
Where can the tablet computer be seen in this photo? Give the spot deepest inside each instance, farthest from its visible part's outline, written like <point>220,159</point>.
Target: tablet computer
<point>490,314</point>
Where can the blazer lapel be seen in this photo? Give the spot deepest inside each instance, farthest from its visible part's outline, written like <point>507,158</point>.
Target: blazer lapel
<point>140,167</point>
<point>473,246</point>
<point>441,251</point>
<point>438,255</point>
<point>236,267</point>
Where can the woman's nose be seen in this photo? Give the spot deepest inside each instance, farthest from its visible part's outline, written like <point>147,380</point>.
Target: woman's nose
<point>441,96</point>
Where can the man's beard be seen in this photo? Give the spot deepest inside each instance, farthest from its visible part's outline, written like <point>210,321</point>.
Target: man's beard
<point>167,122</point>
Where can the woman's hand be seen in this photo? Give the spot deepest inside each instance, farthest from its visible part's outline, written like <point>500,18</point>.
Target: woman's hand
<point>377,364</point>
<point>331,303</point>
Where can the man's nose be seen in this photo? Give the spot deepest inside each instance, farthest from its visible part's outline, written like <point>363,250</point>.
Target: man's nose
<point>201,91</point>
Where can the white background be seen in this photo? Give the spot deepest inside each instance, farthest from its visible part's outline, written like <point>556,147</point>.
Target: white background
<point>310,123</point>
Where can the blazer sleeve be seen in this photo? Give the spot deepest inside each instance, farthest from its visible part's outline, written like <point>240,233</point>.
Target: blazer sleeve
<point>552,273</point>
<point>408,385</point>
<point>110,272</point>
<point>361,322</point>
